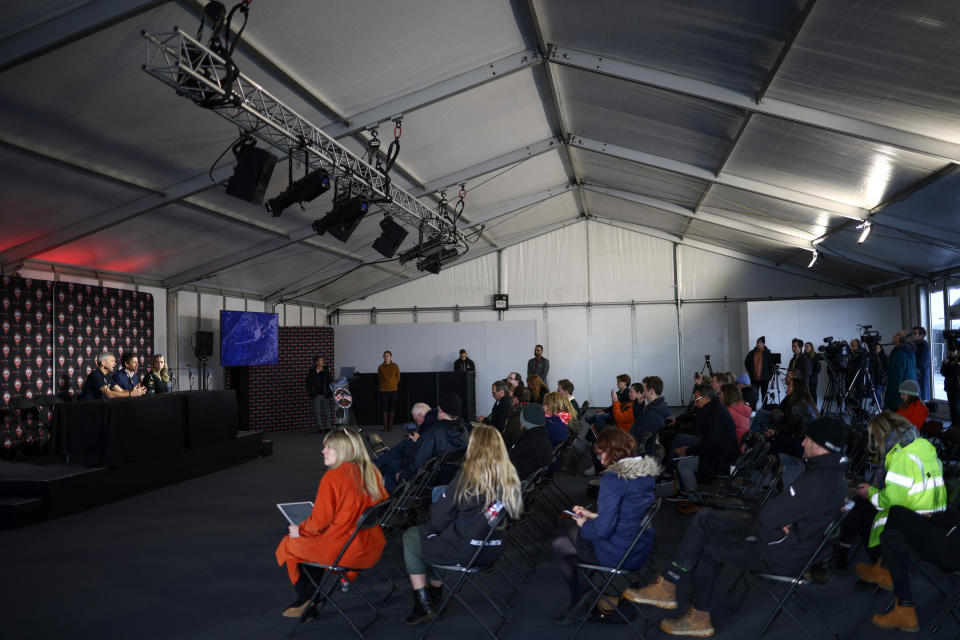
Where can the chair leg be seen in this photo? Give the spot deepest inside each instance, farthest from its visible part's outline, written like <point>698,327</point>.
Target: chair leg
<point>950,610</point>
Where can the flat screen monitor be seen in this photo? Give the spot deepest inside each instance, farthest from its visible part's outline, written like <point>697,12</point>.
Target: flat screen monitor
<point>248,338</point>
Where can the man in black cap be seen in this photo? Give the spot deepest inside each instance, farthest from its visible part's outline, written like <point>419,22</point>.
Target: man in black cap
<point>446,435</point>
<point>532,449</point>
<point>781,539</point>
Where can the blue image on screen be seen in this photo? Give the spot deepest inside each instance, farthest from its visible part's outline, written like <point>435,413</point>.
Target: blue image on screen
<point>248,338</point>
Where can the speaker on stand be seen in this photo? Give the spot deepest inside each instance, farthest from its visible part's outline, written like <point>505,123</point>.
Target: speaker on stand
<point>203,349</point>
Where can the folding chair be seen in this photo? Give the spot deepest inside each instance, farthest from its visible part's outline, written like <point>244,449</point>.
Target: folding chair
<point>951,609</point>
<point>334,575</point>
<point>588,571</point>
<point>471,573</point>
<point>793,583</point>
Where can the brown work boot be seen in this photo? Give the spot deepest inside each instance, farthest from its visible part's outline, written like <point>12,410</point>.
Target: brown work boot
<point>693,623</point>
<point>900,617</point>
<point>875,574</point>
<point>688,508</point>
<point>661,593</point>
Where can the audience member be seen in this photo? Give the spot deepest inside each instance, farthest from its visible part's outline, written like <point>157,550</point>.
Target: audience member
<point>557,418</point>
<point>950,370</point>
<point>923,362</point>
<point>501,406</point>
<point>100,383</point>
<point>350,484</point>
<point>906,535</point>
<point>602,537</point>
<point>716,451</point>
<point>515,379</point>
<point>159,378</point>
<point>538,388</point>
<point>738,409</point>
<point>903,366</point>
<point>388,381</point>
<point>127,377</point>
<point>913,478</point>
<point>400,456</point>
<point>623,412</point>
<point>799,362</point>
<point>532,450</point>
<point>514,427</point>
<point>779,540</point>
<point>605,416</point>
<point>461,518</point>
<point>747,390</point>
<point>318,384</point>
<point>445,436</point>
<point>538,365</point>
<point>912,407</point>
<point>797,410</point>
<point>649,422</point>
<point>811,353</point>
<point>463,364</point>
<point>566,388</point>
<point>759,367</point>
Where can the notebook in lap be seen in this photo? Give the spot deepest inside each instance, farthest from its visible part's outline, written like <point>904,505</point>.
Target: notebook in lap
<point>295,512</point>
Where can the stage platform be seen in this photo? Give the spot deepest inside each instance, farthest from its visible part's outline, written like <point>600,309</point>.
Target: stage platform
<point>33,490</point>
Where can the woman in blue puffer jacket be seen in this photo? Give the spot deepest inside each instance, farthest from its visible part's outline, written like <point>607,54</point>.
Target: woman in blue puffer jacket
<point>602,537</point>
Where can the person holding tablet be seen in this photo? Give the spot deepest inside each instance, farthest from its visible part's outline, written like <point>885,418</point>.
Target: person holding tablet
<point>351,484</point>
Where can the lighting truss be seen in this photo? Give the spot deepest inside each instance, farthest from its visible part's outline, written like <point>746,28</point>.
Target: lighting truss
<point>197,73</point>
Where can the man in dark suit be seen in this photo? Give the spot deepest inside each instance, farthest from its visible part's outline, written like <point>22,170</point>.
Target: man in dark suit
<point>319,379</point>
<point>501,407</point>
<point>463,364</point>
<point>127,377</point>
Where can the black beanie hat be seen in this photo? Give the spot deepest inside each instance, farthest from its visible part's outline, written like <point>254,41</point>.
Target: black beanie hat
<point>450,405</point>
<point>829,433</point>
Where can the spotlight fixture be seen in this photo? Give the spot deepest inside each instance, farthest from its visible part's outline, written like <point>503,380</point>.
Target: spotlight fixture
<point>344,218</point>
<point>813,259</point>
<point>864,228</point>
<point>434,263</point>
<point>426,248</point>
<point>303,190</point>
<point>252,173</point>
<point>390,239</point>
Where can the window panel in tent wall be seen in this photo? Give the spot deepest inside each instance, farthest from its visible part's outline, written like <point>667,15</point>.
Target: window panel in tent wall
<point>712,329</point>
<point>550,268</point>
<point>706,275</point>
<point>468,283</point>
<point>234,304</point>
<point>256,305</point>
<point>625,265</point>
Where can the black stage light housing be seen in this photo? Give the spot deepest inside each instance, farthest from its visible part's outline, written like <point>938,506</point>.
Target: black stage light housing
<point>391,237</point>
<point>303,190</point>
<point>434,263</point>
<point>343,219</point>
<point>252,174</point>
<point>427,248</point>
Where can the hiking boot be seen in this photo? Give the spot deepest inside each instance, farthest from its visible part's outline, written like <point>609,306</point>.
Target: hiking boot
<point>661,593</point>
<point>693,623</point>
<point>875,574</point>
<point>900,617</point>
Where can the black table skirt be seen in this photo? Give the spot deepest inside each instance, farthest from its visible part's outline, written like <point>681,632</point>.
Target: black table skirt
<point>122,431</point>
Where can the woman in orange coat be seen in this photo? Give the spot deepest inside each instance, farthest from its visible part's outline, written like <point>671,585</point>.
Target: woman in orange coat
<point>350,485</point>
<point>623,412</point>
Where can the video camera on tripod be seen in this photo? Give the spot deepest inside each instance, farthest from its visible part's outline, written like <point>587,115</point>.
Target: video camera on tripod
<point>869,339</point>
<point>835,352</point>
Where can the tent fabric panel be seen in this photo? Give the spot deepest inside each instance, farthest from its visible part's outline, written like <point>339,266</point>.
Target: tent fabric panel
<point>604,170</point>
<point>549,268</point>
<point>625,265</point>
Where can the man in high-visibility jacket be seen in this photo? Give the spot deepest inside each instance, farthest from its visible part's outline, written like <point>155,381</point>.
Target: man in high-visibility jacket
<point>914,479</point>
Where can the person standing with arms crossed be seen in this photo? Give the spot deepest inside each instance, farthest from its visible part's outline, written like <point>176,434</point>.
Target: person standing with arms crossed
<point>319,379</point>
<point>538,365</point>
<point>388,380</point>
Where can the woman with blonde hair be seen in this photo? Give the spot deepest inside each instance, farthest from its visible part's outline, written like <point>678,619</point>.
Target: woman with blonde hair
<point>351,484</point>
<point>538,389</point>
<point>486,484</point>
<point>158,380</point>
<point>559,412</point>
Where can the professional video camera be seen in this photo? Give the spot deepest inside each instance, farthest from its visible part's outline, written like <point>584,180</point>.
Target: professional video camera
<point>869,339</point>
<point>835,352</point>
<point>952,338</point>
<point>776,358</point>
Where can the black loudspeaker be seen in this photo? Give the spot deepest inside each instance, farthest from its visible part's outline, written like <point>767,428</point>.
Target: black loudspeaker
<point>390,239</point>
<point>203,344</point>
<point>252,174</point>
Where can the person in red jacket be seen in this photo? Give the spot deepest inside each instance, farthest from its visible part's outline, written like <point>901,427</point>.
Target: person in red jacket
<point>912,408</point>
<point>351,484</point>
<point>739,410</point>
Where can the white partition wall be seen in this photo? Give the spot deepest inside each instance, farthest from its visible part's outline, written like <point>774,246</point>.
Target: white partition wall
<point>605,300</point>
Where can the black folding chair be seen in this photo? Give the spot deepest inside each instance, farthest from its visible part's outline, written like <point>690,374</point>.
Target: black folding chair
<point>334,575</point>
<point>471,573</point>
<point>952,609</point>
<point>588,571</point>
<point>793,583</point>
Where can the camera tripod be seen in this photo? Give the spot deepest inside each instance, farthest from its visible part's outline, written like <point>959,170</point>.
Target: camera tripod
<point>706,366</point>
<point>774,390</point>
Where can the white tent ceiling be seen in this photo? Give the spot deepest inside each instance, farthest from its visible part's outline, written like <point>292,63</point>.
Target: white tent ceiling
<point>756,126</point>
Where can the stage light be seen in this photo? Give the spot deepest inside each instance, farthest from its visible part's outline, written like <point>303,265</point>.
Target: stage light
<point>344,218</point>
<point>390,239</point>
<point>864,230</point>
<point>303,190</point>
<point>813,259</point>
<point>434,263</point>
<point>429,247</point>
<point>252,173</point>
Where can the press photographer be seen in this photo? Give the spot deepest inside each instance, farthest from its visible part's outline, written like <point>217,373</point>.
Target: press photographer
<point>950,370</point>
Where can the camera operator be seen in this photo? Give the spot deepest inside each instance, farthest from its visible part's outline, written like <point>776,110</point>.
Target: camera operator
<point>950,370</point>
<point>759,366</point>
<point>903,366</point>
<point>814,378</point>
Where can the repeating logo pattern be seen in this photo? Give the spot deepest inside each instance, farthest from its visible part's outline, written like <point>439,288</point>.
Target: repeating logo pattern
<point>278,395</point>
